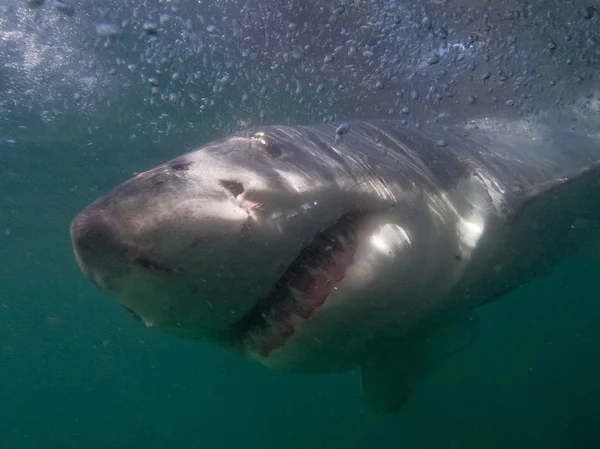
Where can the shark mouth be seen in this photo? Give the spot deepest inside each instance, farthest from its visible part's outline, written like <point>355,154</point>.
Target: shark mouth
<point>302,289</point>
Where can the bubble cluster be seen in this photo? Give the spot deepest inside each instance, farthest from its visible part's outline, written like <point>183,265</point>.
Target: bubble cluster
<point>232,61</point>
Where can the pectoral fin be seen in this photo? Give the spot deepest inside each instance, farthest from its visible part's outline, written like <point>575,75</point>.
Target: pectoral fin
<point>389,378</point>
<point>561,211</point>
<point>573,196</point>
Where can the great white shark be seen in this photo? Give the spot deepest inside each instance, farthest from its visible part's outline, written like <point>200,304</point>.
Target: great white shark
<point>359,244</point>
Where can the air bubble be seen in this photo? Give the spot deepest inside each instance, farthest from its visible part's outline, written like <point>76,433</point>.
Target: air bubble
<point>344,128</point>
<point>150,28</point>
<point>586,12</point>
<point>225,79</point>
<point>107,30</point>
<point>65,8</point>
<point>433,59</point>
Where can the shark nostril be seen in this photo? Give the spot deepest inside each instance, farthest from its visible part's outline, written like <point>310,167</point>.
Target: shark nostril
<point>234,187</point>
<point>148,264</point>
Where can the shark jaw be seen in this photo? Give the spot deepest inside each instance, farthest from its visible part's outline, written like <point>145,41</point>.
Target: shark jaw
<point>301,290</point>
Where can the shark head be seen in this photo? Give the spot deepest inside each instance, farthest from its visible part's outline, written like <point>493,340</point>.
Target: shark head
<point>271,244</point>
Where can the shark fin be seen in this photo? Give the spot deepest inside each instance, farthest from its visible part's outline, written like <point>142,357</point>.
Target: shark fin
<point>576,192</point>
<point>563,210</point>
<point>389,378</point>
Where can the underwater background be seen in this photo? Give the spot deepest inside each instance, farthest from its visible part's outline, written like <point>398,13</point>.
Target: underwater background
<point>93,92</point>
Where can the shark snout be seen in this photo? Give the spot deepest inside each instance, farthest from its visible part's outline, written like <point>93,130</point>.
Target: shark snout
<point>101,253</point>
<point>98,251</point>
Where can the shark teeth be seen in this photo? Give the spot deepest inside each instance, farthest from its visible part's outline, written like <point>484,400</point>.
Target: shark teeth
<point>302,289</point>
<point>282,325</point>
<point>318,273</point>
<point>299,306</point>
<point>342,241</point>
<point>278,328</point>
<point>297,294</point>
<point>337,259</point>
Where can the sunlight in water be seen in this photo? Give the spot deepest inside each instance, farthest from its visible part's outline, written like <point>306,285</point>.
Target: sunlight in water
<point>389,237</point>
<point>471,231</point>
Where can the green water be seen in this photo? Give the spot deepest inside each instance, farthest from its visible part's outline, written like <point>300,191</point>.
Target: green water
<point>77,117</point>
<point>78,372</point>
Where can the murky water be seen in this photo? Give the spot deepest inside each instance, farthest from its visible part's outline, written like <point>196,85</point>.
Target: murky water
<point>91,93</point>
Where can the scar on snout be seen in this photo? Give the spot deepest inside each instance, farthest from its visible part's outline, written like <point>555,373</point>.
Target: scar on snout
<point>180,166</point>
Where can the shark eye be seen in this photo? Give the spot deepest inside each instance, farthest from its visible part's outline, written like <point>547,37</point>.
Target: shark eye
<point>267,144</point>
<point>234,187</point>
